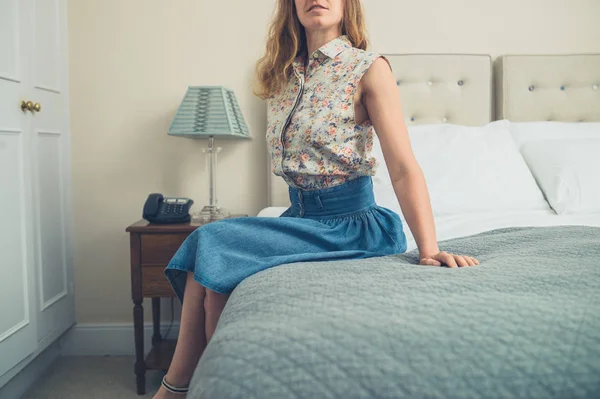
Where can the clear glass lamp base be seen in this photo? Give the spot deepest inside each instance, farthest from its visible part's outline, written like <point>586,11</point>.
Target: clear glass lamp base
<point>209,213</point>
<point>212,211</point>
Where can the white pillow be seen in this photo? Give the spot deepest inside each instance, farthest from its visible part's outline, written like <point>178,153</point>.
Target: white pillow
<point>568,171</point>
<point>467,169</point>
<point>523,132</point>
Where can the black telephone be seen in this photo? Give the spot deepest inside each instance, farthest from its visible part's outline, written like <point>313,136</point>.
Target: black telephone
<point>159,209</point>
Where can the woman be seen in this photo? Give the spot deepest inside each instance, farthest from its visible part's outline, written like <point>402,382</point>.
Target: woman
<point>326,95</point>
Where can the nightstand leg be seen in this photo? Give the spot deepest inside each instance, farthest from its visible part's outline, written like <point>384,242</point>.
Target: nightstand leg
<point>140,364</point>
<point>156,337</point>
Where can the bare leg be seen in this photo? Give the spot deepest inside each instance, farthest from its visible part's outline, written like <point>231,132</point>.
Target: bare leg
<point>213,306</point>
<point>199,316</point>
<point>191,341</point>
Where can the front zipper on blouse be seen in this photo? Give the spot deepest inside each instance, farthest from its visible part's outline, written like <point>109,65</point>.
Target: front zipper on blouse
<point>289,118</point>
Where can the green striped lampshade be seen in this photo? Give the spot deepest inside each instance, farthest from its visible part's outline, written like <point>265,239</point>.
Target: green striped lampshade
<point>209,111</point>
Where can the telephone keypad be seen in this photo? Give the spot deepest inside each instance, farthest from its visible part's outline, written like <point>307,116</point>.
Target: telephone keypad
<point>173,209</point>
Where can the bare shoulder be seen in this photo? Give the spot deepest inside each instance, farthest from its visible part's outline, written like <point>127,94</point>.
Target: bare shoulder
<point>379,76</point>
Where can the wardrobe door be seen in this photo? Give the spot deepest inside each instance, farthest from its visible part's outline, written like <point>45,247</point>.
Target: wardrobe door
<point>18,335</point>
<point>51,181</point>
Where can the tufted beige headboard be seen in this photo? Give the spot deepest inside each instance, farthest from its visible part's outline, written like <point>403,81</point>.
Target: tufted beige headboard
<point>548,87</point>
<point>444,88</point>
<point>434,88</point>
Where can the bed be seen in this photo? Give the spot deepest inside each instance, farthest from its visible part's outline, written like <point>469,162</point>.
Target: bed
<point>525,323</point>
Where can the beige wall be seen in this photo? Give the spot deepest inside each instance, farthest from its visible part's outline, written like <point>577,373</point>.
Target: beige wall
<point>131,61</point>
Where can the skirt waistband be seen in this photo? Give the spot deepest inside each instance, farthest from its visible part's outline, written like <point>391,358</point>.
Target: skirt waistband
<point>351,197</point>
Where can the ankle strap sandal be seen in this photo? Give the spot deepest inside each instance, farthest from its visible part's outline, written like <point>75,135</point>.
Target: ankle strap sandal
<point>174,389</point>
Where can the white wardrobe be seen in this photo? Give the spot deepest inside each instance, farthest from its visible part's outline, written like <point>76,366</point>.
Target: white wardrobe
<point>36,289</point>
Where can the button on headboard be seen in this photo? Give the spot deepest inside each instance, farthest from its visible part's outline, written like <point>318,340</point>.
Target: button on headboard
<point>548,88</point>
<point>434,88</point>
<point>444,88</point>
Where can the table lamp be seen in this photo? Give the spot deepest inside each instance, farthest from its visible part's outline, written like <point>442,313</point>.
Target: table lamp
<point>209,112</point>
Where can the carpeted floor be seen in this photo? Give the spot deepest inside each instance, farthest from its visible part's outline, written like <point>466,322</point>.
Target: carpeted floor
<point>92,378</point>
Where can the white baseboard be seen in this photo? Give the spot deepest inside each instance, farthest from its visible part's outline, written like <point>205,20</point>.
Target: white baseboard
<point>110,339</point>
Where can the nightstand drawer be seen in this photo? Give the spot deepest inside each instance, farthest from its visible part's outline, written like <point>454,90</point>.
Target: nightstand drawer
<point>154,282</point>
<point>158,249</point>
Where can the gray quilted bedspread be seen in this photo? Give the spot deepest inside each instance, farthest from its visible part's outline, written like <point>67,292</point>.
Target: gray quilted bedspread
<point>523,324</point>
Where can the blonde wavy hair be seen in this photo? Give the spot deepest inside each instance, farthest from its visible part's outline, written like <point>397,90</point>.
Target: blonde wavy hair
<point>287,40</point>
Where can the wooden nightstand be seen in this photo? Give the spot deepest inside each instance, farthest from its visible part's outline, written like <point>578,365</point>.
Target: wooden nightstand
<point>152,247</point>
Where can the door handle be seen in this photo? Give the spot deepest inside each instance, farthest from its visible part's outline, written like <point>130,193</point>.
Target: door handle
<point>30,106</point>
<point>26,106</point>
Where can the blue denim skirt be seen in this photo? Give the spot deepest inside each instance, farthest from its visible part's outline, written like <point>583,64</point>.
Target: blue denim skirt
<point>341,222</point>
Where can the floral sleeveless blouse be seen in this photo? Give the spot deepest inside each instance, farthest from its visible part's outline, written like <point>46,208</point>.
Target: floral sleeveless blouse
<point>314,141</point>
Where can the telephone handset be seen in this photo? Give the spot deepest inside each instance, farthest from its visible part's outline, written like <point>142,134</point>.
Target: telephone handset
<point>160,209</point>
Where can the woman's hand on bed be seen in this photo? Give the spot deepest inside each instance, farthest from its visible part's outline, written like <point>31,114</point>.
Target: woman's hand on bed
<point>443,258</point>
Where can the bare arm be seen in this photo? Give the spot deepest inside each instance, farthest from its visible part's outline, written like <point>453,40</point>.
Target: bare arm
<point>381,100</point>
